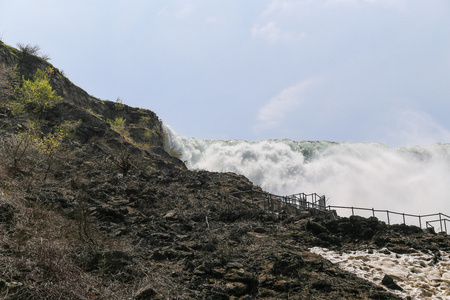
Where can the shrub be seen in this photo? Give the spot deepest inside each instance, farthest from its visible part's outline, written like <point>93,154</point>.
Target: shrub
<point>49,145</point>
<point>144,121</point>
<point>45,56</point>
<point>122,159</point>
<point>119,104</point>
<point>36,94</point>
<point>17,153</point>
<point>118,125</point>
<point>29,49</point>
<point>32,50</point>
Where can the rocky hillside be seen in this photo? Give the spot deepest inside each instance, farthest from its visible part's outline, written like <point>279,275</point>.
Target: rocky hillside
<point>93,206</point>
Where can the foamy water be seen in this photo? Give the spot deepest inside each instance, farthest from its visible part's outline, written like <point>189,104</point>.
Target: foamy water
<point>416,273</point>
<point>414,179</point>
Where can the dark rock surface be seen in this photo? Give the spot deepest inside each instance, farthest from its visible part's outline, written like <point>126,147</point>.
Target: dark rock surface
<point>388,282</point>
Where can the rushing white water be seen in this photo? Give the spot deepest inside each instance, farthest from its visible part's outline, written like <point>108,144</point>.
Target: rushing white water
<point>417,274</point>
<point>413,179</point>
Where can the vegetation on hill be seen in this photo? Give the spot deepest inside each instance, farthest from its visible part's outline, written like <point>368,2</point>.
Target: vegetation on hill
<point>93,207</point>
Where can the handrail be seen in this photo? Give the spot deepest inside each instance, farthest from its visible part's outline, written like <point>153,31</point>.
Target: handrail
<point>443,218</point>
<point>270,201</point>
<point>276,204</point>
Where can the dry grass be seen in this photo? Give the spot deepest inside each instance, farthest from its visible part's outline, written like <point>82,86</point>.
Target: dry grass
<point>39,254</point>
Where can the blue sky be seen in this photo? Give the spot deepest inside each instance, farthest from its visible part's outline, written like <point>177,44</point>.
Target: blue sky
<point>337,70</point>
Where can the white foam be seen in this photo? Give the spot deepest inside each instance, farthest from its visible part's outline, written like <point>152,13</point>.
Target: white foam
<point>416,273</point>
<point>412,179</point>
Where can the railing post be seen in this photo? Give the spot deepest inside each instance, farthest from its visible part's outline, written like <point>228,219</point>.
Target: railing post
<point>440,220</point>
<point>387,212</point>
<point>271,203</point>
<point>322,203</point>
<point>404,223</point>
<point>420,222</point>
<point>373,212</point>
<point>353,213</point>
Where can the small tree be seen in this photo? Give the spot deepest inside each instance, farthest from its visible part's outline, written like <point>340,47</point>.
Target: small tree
<point>36,94</point>
<point>29,49</point>
<point>16,152</point>
<point>50,144</point>
<point>122,158</point>
<point>119,104</point>
<point>119,126</point>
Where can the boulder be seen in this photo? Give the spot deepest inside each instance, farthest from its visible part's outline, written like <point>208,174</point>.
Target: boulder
<point>388,282</point>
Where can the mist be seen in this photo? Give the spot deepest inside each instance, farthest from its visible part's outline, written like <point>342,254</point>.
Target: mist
<point>412,179</point>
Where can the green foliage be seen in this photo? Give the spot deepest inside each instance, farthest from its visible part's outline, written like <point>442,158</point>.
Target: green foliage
<point>48,145</point>
<point>118,125</point>
<point>144,121</point>
<point>29,150</point>
<point>119,104</point>
<point>36,94</point>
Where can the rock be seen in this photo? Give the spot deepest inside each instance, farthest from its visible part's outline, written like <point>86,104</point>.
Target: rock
<point>260,230</point>
<point>430,230</point>
<point>401,249</point>
<point>239,275</point>
<point>316,228</point>
<point>236,288</point>
<point>6,213</point>
<point>108,213</point>
<point>388,282</point>
<point>287,266</point>
<point>234,265</point>
<point>171,215</point>
<point>281,285</point>
<point>145,293</point>
<point>322,286</point>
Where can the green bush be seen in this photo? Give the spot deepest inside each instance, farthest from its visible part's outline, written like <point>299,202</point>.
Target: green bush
<point>36,94</point>
<point>118,125</point>
<point>119,104</point>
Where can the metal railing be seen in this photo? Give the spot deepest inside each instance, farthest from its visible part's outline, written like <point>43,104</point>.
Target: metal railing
<point>275,203</point>
<point>420,219</point>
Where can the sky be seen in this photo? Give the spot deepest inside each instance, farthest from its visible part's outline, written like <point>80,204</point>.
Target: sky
<point>335,70</point>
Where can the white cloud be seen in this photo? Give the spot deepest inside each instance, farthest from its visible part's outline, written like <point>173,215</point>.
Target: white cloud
<point>273,33</point>
<point>273,112</point>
